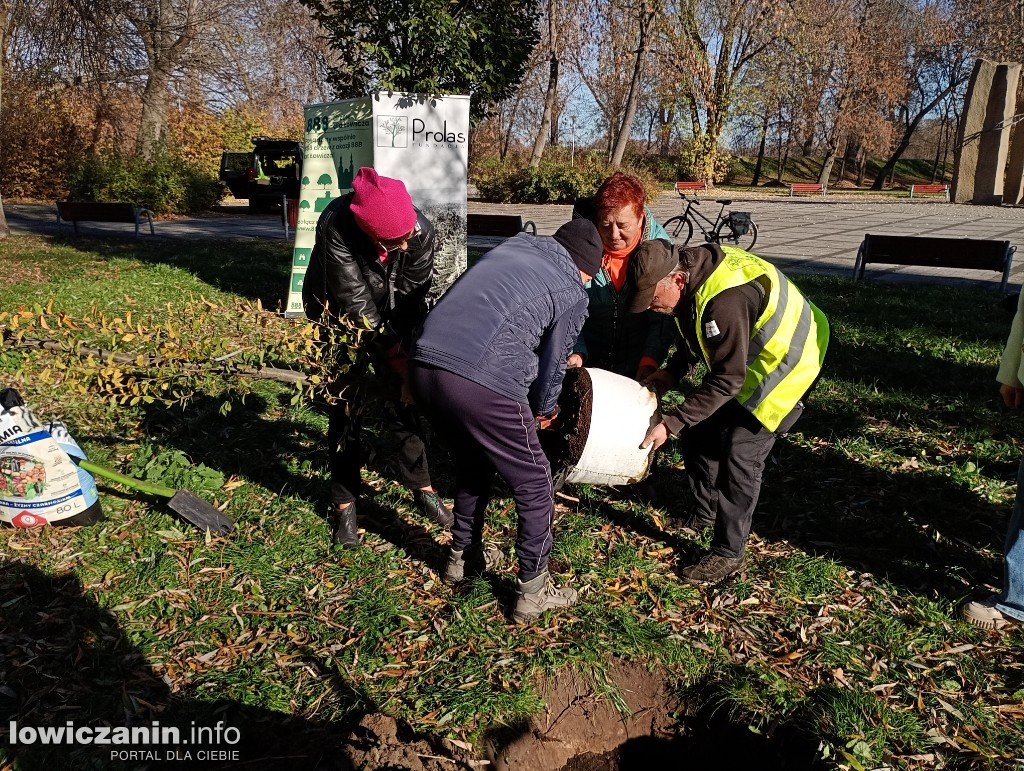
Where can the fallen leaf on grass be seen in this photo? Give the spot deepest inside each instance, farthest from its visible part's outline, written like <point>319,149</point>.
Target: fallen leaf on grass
<point>840,677</point>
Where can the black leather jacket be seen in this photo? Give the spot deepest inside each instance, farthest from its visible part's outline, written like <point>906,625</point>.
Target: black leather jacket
<point>344,269</point>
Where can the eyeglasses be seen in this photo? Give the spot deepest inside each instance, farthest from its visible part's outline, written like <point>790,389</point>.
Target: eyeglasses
<point>394,244</point>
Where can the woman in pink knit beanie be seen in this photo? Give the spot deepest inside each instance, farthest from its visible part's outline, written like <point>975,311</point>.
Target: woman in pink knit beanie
<point>371,267</point>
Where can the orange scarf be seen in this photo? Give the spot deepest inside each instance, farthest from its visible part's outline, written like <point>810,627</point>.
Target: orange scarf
<point>615,261</point>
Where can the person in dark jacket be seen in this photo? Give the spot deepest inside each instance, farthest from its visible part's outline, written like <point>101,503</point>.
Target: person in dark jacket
<point>487,370</point>
<point>763,344</point>
<point>632,345</point>
<point>370,269</point>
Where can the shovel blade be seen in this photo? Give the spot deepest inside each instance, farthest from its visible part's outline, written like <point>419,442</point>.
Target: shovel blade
<point>198,512</point>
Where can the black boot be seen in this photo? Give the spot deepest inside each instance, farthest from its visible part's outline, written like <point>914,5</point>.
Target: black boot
<point>346,528</point>
<point>432,507</point>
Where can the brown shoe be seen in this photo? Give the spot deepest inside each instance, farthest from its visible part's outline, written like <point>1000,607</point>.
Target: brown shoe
<point>712,568</point>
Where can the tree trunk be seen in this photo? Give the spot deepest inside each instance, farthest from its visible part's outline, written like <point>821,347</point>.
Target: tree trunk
<point>549,98</point>
<point>842,163</point>
<point>862,165</point>
<point>5,231</point>
<point>760,152</point>
<point>826,165</point>
<point>153,124</point>
<point>633,98</point>
<point>666,117</point>
<point>506,140</point>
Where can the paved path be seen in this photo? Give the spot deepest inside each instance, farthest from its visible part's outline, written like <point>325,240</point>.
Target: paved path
<point>807,234</point>
<point>812,235</point>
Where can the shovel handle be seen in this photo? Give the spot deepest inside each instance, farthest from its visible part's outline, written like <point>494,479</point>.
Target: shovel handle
<point>136,484</point>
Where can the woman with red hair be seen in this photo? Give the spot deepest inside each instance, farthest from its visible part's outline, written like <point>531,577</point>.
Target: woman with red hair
<point>633,345</point>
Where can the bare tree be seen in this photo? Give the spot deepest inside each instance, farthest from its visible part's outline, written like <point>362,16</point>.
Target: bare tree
<point>644,13</point>
<point>937,64</point>
<point>710,43</point>
<point>166,30</point>
<point>614,65</point>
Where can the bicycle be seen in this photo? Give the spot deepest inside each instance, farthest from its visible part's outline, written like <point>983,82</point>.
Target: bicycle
<point>735,228</point>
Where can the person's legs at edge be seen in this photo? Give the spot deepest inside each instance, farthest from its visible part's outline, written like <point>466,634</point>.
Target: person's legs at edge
<point>404,422</point>
<point>1011,601</point>
<point>345,460</point>
<point>1007,607</point>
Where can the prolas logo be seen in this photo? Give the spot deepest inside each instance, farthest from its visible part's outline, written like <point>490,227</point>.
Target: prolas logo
<point>419,132</point>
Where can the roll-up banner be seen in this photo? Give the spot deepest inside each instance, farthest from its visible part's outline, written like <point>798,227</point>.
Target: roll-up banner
<point>419,139</point>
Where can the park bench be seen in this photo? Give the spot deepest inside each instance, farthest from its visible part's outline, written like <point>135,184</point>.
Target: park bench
<point>683,186</point>
<point>933,252</point>
<point>930,188</point>
<point>501,225</point>
<point>102,211</point>
<point>807,187</point>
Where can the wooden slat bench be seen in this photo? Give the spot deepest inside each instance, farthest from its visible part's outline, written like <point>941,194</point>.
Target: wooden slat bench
<point>932,252</point>
<point>500,225</point>
<point>807,187</point>
<point>102,211</point>
<point>683,186</point>
<point>930,188</point>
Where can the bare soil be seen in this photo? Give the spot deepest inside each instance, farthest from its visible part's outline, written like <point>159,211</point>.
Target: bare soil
<point>582,730</point>
<point>564,442</point>
<point>382,742</point>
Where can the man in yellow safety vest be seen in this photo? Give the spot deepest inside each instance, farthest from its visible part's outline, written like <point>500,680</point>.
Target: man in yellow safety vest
<point>763,344</point>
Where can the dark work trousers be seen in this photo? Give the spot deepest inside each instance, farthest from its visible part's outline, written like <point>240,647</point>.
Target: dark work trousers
<point>724,457</point>
<point>487,433</point>
<point>344,427</point>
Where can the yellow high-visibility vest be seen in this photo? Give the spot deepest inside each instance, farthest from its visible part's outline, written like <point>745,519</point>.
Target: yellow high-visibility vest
<point>787,343</point>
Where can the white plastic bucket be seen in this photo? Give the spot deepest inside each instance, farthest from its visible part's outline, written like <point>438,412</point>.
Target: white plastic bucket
<point>620,417</point>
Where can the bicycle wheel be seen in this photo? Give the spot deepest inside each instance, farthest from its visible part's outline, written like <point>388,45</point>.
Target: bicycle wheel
<point>679,229</point>
<point>745,242</point>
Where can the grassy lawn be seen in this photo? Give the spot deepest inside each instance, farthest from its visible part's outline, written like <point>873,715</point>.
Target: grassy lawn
<point>806,169</point>
<point>878,516</point>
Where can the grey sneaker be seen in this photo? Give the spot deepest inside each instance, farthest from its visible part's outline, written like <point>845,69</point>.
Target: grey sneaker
<point>985,614</point>
<point>471,562</point>
<point>540,594</point>
<point>712,568</point>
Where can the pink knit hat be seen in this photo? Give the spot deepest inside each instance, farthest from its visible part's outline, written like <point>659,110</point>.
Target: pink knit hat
<point>381,206</point>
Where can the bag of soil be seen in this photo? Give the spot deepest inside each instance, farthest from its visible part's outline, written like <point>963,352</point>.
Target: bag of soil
<point>39,483</point>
